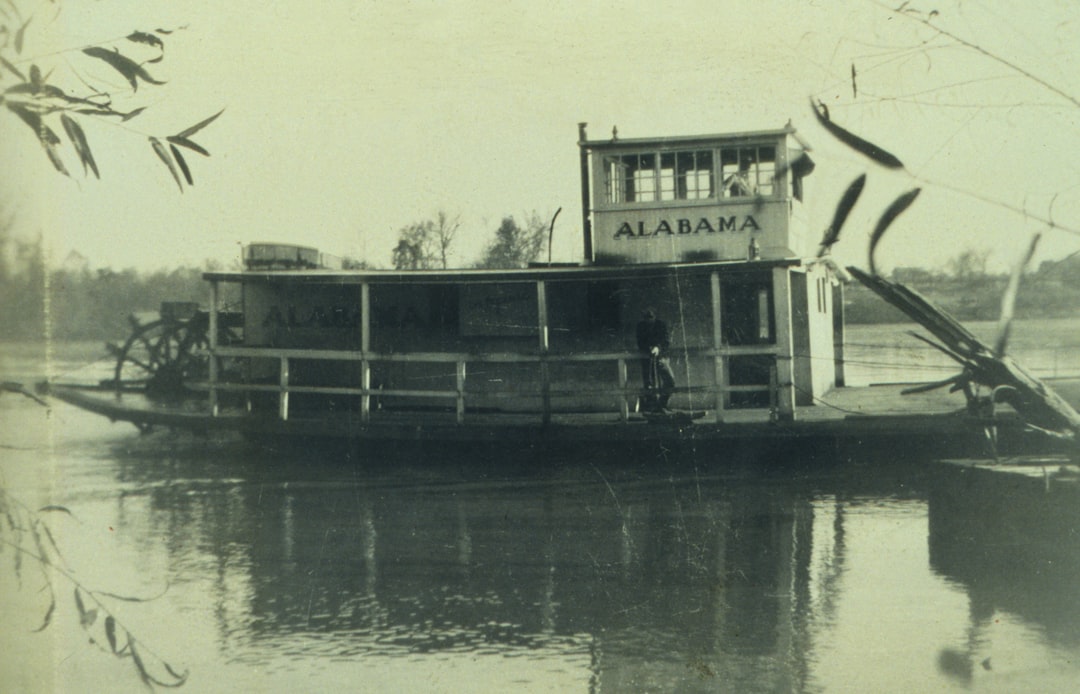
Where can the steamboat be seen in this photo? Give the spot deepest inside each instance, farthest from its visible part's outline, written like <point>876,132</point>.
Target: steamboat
<point>708,233</point>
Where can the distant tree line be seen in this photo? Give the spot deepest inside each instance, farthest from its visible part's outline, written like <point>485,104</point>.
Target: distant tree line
<point>969,293</point>
<point>84,304</point>
<point>79,303</point>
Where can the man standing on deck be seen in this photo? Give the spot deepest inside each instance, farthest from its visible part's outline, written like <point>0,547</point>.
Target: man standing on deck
<point>653,341</point>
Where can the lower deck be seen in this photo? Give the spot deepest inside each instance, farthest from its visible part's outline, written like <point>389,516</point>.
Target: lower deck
<point>871,415</point>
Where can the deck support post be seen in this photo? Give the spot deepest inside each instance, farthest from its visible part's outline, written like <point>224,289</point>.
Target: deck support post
<point>719,379</point>
<point>213,338</point>
<point>283,397</point>
<point>365,348</point>
<point>624,403</point>
<point>785,385</point>
<point>545,373</point>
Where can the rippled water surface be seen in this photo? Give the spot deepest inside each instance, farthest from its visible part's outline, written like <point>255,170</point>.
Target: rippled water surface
<point>311,570</point>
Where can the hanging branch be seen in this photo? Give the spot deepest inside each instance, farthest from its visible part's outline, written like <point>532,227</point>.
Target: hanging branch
<point>40,104</point>
<point>102,627</point>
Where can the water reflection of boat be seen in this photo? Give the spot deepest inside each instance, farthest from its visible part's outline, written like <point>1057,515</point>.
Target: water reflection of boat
<point>708,232</point>
<point>1009,533</point>
<point>688,584</point>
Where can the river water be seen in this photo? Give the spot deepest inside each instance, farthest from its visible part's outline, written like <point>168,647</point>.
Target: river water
<point>307,570</point>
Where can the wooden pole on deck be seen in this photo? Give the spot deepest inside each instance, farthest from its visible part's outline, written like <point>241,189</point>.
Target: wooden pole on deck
<point>365,349</point>
<point>785,385</point>
<point>545,374</point>
<point>213,339</point>
<point>719,379</point>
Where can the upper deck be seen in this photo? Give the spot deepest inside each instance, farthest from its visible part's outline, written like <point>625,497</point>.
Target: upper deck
<point>695,198</point>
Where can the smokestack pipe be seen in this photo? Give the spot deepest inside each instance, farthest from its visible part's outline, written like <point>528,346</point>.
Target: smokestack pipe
<point>586,225</point>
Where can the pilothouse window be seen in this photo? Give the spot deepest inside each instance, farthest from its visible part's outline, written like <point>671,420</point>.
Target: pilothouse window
<point>631,178</point>
<point>746,171</point>
<point>743,171</point>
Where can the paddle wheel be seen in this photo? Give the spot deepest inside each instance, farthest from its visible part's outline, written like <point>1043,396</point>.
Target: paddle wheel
<point>164,358</point>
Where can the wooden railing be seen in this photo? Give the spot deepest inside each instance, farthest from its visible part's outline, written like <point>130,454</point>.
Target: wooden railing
<point>623,391</point>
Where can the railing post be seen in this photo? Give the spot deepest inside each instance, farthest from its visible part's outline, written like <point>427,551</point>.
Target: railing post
<point>365,385</point>
<point>545,374</point>
<point>213,337</point>
<point>283,397</point>
<point>461,391</point>
<point>774,394</point>
<point>624,406</point>
<point>719,378</point>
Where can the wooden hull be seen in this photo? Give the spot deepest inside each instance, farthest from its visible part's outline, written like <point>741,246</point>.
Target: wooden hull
<point>855,418</point>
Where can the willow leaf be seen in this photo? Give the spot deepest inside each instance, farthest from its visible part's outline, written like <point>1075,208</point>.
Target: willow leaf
<point>79,605</point>
<point>29,116</point>
<point>39,87</point>
<point>110,632</point>
<point>181,677</point>
<point>21,33</point>
<point>843,209</point>
<point>148,39</point>
<point>82,147</point>
<point>891,213</point>
<point>48,614</point>
<point>132,598</point>
<point>54,157</point>
<point>163,155</point>
<point>96,111</point>
<point>11,68</point>
<point>927,387</point>
<point>199,126</point>
<point>54,507</point>
<point>182,164</point>
<point>143,674</point>
<point>857,143</point>
<point>190,144</point>
<point>131,114</point>
<point>50,538</point>
<point>132,71</point>
<point>22,88</point>
<point>1008,300</point>
<point>44,133</point>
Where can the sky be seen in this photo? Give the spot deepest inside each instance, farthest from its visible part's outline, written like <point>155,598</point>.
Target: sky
<point>347,120</point>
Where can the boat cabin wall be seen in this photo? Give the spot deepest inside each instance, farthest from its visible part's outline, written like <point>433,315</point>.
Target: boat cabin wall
<point>290,315</point>
<point>583,318</point>
<point>490,324</point>
<point>813,344</point>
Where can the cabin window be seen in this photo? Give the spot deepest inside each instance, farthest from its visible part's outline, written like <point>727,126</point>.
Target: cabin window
<point>413,316</point>
<point>499,310</point>
<point>747,314</point>
<point>583,313</point>
<point>746,171</point>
